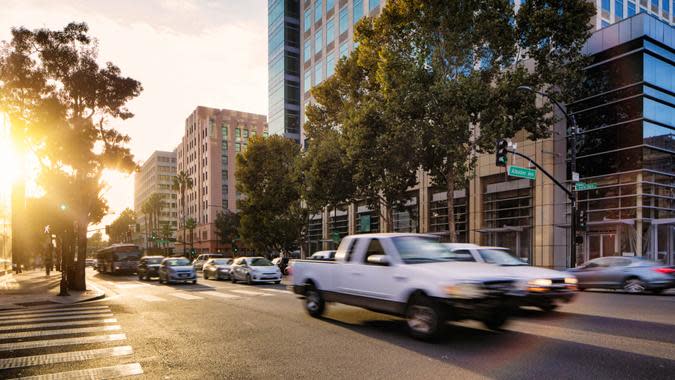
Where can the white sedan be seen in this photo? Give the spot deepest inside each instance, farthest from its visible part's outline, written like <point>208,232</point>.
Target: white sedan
<point>254,269</point>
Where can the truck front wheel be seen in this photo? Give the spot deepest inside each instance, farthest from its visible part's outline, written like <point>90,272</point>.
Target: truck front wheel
<point>424,318</point>
<point>314,302</point>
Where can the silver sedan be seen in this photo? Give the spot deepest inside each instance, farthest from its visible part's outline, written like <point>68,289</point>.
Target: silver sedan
<point>218,269</point>
<point>632,274</point>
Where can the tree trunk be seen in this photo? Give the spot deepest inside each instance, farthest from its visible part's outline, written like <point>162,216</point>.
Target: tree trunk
<point>452,228</point>
<point>78,281</point>
<point>182,203</point>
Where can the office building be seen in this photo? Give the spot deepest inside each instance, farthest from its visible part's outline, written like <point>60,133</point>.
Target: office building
<point>207,152</point>
<point>156,177</point>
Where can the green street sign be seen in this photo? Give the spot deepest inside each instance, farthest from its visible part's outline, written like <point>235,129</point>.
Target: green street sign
<point>581,186</point>
<point>517,171</point>
<point>364,223</point>
<point>335,236</point>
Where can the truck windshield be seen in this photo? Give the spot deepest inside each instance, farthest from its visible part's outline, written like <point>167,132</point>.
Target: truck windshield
<point>415,250</point>
<point>499,257</point>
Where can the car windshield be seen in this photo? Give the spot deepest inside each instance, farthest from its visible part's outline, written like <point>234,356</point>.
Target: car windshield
<point>222,261</point>
<point>127,256</point>
<point>154,260</point>
<point>414,249</point>
<point>499,257</point>
<point>260,262</point>
<point>177,262</point>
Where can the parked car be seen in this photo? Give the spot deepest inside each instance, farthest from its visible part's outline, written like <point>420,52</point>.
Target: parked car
<point>218,268</point>
<point>176,269</point>
<point>408,275</point>
<point>254,269</point>
<point>632,274</point>
<point>323,255</point>
<point>545,288</point>
<point>201,259</point>
<point>148,267</point>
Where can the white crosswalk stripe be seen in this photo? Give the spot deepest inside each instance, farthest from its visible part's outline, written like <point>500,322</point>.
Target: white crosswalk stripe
<point>54,337</point>
<point>277,291</point>
<point>131,286</point>
<point>149,298</point>
<point>221,295</point>
<point>56,324</point>
<point>186,296</point>
<point>249,292</point>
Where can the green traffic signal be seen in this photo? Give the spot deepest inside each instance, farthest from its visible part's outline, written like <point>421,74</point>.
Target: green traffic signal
<point>500,152</point>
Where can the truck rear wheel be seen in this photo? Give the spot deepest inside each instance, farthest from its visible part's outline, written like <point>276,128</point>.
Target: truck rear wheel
<point>424,318</point>
<point>314,302</point>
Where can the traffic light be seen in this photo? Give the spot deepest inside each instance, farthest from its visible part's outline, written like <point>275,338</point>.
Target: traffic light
<point>582,220</point>
<point>500,153</point>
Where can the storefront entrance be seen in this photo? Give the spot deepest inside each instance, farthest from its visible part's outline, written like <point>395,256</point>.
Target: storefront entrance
<point>600,245</point>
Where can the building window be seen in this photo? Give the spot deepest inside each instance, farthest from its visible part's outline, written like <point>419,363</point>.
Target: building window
<point>344,19</point>
<point>308,19</point>
<point>318,73</point>
<point>618,9</point>
<point>237,133</point>
<point>631,8</point>
<point>406,217</point>
<point>605,9</point>
<point>245,133</point>
<point>344,50</point>
<point>237,147</point>
<point>330,64</point>
<point>318,10</point>
<point>308,80</point>
<point>307,50</point>
<point>665,8</point>
<point>604,23</point>
<point>318,41</point>
<point>358,10</point>
<point>330,31</point>
<point>372,4</point>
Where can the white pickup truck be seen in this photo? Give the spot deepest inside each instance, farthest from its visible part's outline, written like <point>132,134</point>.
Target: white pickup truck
<point>408,275</point>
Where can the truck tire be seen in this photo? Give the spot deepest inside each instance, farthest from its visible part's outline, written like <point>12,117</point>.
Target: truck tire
<point>314,302</point>
<point>497,319</point>
<point>424,318</point>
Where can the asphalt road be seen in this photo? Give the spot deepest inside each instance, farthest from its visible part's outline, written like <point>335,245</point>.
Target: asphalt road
<point>218,330</point>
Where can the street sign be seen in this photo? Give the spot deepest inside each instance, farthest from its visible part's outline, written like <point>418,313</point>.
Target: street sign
<point>364,223</point>
<point>581,186</point>
<point>575,177</point>
<point>335,236</point>
<point>517,171</point>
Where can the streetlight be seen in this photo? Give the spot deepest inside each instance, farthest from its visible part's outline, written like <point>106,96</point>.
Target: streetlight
<point>573,166</point>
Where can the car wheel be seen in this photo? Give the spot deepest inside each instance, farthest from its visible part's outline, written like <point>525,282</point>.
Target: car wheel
<point>194,282</point>
<point>634,286</point>
<point>140,277</point>
<point>424,318</point>
<point>496,320</point>
<point>206,276</point>
<point>657,291</point>
<point>161,281</point>
<point>314,302</point>
<point>548,307</point>
<point>277,282</point>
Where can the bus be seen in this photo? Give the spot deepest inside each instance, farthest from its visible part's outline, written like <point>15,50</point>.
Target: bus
<point>118,258</point>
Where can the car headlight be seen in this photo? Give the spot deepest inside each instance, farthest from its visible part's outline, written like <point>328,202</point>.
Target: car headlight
<point>540,282</point>
<point>571,280</point>
<point>464,290</point>
<point>117,267</point>
<point>223,270</point>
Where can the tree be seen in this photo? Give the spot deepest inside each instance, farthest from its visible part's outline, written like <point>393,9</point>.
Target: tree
<point>60,103</point>
<point>190,225</point>
<point>152,208</point>
<point>166,232</point>
<point>182,183</point>
<point>122,226</point>
<point>227,226</point>
<point>272,217</point>
<point>96,241</point>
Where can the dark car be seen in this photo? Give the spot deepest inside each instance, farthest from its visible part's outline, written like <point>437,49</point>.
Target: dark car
<point>148,267</point>
<point>632,274</point>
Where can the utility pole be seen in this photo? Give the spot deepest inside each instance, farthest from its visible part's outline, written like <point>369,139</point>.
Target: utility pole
<point>573,166</point>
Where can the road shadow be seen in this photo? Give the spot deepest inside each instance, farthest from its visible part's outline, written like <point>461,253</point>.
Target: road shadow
<point>666,293</point>
<point>508,354</point>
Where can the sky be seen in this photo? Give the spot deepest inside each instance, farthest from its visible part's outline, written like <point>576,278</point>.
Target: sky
<point>185,53</point>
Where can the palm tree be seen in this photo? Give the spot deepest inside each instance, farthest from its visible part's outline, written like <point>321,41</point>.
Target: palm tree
<point>191,224</point>
<point>146,209</point>
<point>155,205</point>
<point>181,183</point>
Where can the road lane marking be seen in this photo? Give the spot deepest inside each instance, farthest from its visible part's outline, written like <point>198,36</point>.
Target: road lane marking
<point>248,292</point>
<point>14,314</point>
<point>277,291</point>
<point>186,296</point>
<point>30,334</point>
<point>64,357</point>
<point>101,373</point>
<point>55,317</point>
<point>61,342</point>
<point>221,295</point>
<point>149,298</point>
<point>56,324</point>
<point>615,342</point>
<point>130,286</point>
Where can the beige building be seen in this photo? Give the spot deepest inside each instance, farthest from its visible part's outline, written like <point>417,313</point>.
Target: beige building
<point>156,176</point>
<point>213,138</point>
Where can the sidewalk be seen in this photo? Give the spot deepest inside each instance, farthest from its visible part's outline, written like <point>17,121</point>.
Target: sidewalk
<point>34,288</point>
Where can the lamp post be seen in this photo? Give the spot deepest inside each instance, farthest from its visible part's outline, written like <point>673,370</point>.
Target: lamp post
<point>573,166</point>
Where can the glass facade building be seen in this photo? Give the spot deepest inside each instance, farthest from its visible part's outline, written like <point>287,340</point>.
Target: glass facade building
<point>284,68</point>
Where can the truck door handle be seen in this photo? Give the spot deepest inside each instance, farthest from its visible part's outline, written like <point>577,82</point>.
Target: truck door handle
<point>401,278</point>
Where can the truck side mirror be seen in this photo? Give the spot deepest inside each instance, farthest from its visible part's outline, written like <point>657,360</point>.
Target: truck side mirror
<point>382,260</point>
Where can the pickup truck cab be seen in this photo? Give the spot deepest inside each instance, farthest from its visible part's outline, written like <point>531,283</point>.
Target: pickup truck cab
<point>407,275</point>
<point>543,288</point>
